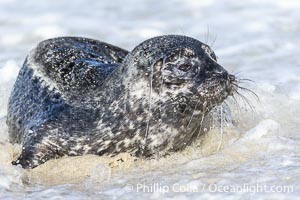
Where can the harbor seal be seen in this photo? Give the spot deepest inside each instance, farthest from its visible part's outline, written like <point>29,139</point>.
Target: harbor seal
<point>76,96</point>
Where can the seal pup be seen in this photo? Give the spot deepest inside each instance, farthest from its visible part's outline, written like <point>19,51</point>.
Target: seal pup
<point>76,96</point>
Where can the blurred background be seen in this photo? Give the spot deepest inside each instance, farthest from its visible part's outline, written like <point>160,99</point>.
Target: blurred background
<point>256,39</point>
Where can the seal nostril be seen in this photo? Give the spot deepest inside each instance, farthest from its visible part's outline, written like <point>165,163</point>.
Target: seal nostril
<point>231,78</point>
<point>225,75</point>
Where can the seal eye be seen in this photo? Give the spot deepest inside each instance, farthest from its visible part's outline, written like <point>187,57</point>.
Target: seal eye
<point>185,67</point>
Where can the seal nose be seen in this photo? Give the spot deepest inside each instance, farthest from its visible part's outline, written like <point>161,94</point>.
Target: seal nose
<point>231,78</point>
<point>225,75</point>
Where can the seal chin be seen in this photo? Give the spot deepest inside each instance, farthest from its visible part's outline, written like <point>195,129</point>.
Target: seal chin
<point>215,91</point>
<point>232,85</point>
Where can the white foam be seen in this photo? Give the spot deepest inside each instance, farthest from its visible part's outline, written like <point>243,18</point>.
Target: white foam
<point>9,71</point>
<point>8,74</point>
<point>264,128</point>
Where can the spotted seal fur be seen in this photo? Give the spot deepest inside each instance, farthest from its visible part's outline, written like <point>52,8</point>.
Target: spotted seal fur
<point>76,96</point>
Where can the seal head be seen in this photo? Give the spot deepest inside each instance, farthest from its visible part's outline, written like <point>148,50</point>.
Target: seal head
<point>182,81</point>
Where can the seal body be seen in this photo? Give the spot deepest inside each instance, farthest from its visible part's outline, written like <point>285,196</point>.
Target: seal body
<point>76,96</point>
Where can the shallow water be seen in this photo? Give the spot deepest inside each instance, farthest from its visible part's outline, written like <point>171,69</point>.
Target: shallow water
<point>260,152</point>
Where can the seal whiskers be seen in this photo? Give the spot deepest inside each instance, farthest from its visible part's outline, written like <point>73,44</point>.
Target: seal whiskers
<point>194,110</point>
<point>221,128</point>
<point>149,109</point>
